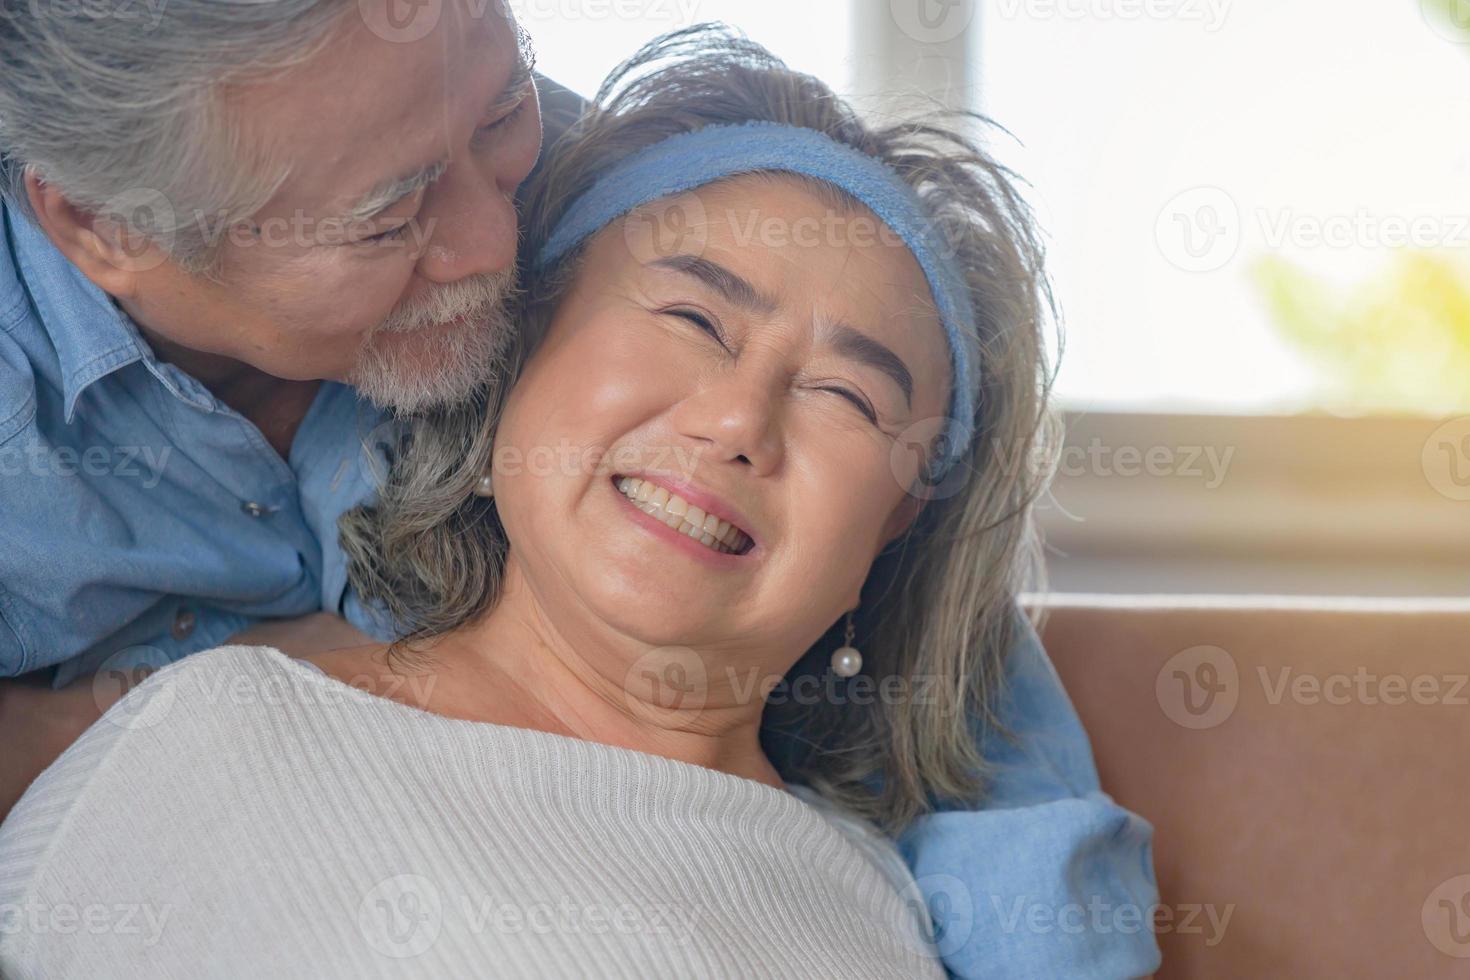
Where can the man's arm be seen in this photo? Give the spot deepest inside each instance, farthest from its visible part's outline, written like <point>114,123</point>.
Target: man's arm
<point>38,722</point>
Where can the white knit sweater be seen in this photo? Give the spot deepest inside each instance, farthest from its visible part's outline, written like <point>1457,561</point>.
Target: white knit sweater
<point>240,814</point>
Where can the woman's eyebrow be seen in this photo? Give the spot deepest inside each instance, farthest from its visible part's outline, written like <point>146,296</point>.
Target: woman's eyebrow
<point>733,288</point>
<point>858,346</point>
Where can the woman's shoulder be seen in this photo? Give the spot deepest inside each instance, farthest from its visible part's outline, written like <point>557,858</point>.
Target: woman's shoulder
<point>174,719</point>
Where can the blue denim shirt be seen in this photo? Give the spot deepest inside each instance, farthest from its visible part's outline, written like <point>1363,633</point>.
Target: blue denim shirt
<point>1049,878</point>
<point>141,520</point>
<point>139,514</point>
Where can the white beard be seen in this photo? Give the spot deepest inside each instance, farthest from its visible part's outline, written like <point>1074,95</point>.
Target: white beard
<point>446,368</point>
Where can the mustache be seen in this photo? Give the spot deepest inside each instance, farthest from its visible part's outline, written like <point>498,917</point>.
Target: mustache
<point>477,297</point>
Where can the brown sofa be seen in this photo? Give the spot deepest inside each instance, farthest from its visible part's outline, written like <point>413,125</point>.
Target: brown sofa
<point>1306,766</point>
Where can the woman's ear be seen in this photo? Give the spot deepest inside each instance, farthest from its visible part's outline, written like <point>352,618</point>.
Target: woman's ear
<point>109,254</point>
<point>902,517</point>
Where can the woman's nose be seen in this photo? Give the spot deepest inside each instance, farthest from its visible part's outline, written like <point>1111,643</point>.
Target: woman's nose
<point>736,419</point>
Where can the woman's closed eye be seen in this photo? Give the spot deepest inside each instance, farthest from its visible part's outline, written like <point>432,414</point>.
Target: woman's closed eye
<point>700,319</point>
<point>709,325</point>
<point>857,400</point>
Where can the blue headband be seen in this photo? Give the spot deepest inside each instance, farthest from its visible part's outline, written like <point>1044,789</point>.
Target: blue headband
<point>693,159</point>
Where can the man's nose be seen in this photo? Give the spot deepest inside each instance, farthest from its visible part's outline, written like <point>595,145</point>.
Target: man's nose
<point>471,228</point>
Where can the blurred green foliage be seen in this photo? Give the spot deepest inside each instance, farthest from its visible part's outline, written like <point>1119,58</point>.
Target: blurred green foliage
<point>1397,342</point>
<point>1449,14</point>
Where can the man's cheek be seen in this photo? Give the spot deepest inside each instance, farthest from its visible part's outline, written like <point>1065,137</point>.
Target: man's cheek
<point>329,306</point>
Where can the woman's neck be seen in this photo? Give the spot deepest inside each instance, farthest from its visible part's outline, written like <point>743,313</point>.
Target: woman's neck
<point>515,667</point>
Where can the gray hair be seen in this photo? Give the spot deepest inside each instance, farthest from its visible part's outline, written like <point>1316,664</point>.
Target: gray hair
<point>118,106</point>
<point>939,607</point>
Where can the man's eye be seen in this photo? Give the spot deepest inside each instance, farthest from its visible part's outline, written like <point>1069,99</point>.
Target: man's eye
<point>506,119</point>
<point>383,236</point>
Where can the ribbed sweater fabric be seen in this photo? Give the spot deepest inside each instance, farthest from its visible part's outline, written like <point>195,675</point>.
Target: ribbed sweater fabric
<point>242,815</point>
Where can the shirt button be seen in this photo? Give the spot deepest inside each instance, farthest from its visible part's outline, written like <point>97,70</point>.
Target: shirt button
<point>184,621</point>
<point>253,509</point>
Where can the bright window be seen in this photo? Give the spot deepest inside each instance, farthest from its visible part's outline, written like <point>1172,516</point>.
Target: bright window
<point>1254,206</point>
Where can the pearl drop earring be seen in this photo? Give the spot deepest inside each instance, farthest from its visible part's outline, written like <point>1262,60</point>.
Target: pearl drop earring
<point>847,660</point>
<point>484,487</point>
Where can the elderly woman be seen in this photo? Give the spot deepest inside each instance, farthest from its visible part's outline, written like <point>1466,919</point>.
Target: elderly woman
<point>712,595</point>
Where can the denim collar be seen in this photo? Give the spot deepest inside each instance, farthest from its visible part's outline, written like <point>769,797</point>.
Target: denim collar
<point>92,337</point>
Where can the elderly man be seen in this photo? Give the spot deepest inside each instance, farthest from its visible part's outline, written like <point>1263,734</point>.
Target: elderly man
<point>219,230</point>
<point>234,235</point>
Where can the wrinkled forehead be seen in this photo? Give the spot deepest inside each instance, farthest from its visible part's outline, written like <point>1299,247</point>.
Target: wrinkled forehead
<point>373,102</point>
<point>810,237</point>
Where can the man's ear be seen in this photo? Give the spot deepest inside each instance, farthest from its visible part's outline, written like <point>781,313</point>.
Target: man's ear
<point>109,252</point>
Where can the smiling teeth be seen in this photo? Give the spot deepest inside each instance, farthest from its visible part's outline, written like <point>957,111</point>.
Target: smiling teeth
<point>683,516</point>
